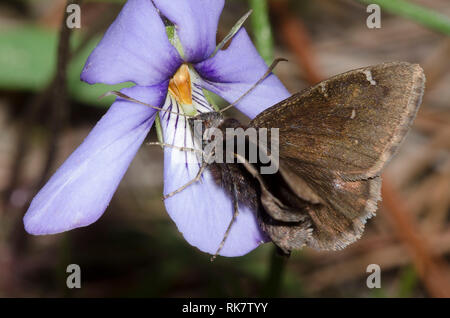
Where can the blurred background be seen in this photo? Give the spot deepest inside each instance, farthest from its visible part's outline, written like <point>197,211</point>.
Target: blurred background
<point>135,250</point>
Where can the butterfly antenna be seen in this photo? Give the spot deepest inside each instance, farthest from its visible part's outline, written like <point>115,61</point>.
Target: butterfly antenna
<point>131,99</point>
<point>269,71</point>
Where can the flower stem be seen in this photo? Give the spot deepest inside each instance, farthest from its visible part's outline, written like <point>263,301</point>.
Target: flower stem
<point>429,18</point>
<point>261,29</point>
<point>275,276</point>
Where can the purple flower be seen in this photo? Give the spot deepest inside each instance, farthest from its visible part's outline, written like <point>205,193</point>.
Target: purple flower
<point>136,49</point>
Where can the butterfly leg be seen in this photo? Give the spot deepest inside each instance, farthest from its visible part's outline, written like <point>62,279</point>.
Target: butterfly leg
<point>233,219</point>
<point>187,149</point>
<point>197,178</point>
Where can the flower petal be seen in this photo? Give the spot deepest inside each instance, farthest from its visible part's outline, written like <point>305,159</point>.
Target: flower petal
<point>203,211</point>
<point>134,49</point>
<point>80,190</point>
<point>232,72</point>
<point>196,22</point>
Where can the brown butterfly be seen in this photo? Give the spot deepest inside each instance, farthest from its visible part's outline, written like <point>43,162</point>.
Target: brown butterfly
<point>334,140</point>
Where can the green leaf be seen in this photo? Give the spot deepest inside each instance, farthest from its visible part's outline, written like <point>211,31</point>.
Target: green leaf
<point>27,58</point>
<point>28,63</point>
<point>427,17</point>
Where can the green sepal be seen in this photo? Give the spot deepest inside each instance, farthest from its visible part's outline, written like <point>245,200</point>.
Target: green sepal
<point>232,32</point>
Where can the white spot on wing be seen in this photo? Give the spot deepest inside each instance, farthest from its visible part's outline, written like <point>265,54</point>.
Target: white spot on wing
<point>323,89</point>
<point>369,78</point>
<point>337,184</point>
<point>353,114</point>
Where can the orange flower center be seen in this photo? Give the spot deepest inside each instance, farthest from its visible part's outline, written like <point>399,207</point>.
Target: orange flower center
<point>180,86</point>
